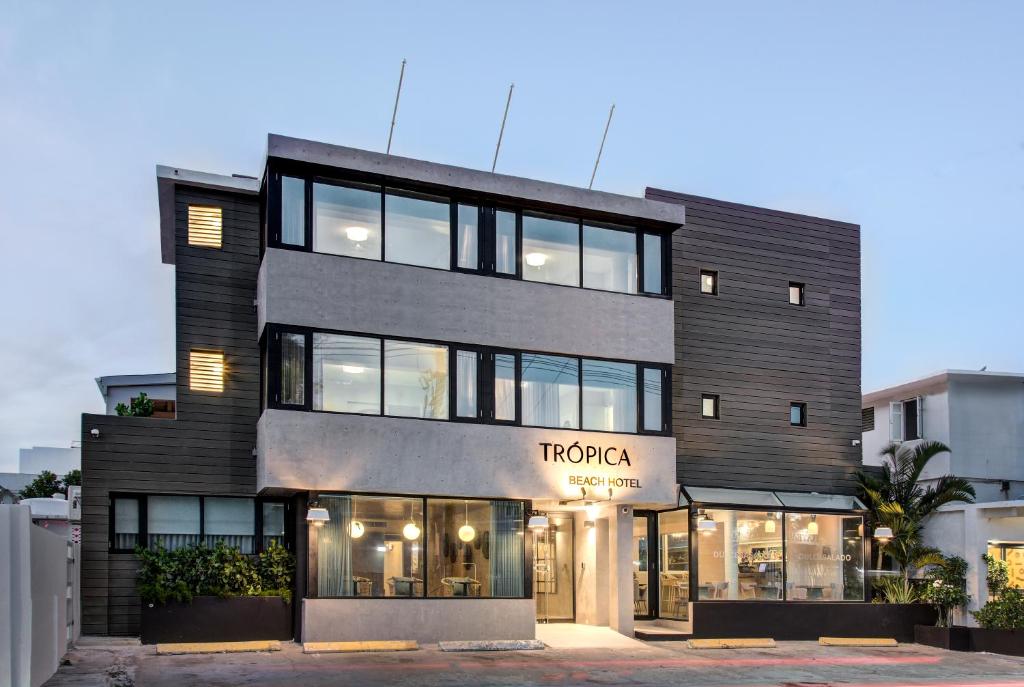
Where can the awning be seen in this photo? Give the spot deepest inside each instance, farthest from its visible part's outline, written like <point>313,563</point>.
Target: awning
<point>774,500</point>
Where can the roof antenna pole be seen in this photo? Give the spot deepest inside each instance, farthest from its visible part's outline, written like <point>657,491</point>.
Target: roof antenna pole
<point>501,133</point>
<point>601,149</point>
<point>394,112</point>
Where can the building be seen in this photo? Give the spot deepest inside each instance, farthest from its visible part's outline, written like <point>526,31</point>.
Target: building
<point>458,387</point>
<point>980,417</point>
<point>57,459</point>
<point>11,483</point>
<point>159,388</point>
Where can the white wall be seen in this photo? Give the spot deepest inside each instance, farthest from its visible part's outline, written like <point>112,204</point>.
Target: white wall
<point>935,427</point>
<point>987,419</point>
<point>125,394</point>
<point>56,459</point>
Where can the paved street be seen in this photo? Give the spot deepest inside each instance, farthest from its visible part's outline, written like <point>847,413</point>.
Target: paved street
<point>791,664</point>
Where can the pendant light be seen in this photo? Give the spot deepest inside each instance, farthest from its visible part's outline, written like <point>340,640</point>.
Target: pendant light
<point>466,532</point>
<point>356,529</point>
<point>411,531</point>
<point>812,526</point>
<point>769,524</point>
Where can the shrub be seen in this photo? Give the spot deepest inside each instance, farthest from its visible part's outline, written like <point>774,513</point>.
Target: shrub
<point>947,588</point>
<point>897,590</point>
<point>224,571</point>
<point>141,406</point>
<point>1005,607</point>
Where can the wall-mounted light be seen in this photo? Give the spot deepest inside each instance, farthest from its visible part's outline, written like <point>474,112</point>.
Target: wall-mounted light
<point>883,534</point>
<point>706,526</point>
<point>317,516</point>
<point>538,521</point>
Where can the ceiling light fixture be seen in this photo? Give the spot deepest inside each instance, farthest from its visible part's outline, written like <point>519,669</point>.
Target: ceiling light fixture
<point>536,259</point>
<point>357,234</point>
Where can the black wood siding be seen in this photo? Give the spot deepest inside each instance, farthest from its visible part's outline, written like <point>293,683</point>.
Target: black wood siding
<point>208,448</point>
<point>759,353</point>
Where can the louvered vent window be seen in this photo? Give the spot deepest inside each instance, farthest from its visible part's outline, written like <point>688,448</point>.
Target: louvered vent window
<point>204,226</point>
<point>867,419</point>
<point>206,371</point>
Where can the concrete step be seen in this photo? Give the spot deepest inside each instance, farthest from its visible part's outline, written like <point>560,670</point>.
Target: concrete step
<point>660,634</point>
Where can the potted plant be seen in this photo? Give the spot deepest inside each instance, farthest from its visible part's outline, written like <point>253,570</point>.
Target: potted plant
<point>946,590</point>
<point>1001,619</point>
<point>198,593</point>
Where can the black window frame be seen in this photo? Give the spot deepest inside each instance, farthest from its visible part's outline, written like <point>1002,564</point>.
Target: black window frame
<point>485,380</point>
<point>802,290</point>
<point>718,406</point>
<point>700,282</point>
<point>487,208</point>
<point>143,503</point>
<point>802,405</point>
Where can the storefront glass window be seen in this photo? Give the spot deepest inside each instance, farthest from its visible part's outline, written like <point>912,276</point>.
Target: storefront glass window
<point>674,564</point>
<point>372,546</point>
<point>551,391</point>
<point>824,557</point>
<point>609,396</point>
<point>415,380</point>
<point>551,251</point>
<point>346,373</point>
<point>609,260</point>
<point>1013,554</point>
<point>346,220</point>
<point>476,548</point>
<point>417,231</point>
<point>172,521</point>
<point>229,521</point>
<point>739,555</point>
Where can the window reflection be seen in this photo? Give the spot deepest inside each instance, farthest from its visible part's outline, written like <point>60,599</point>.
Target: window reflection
<point>739,555</point>
<point>346,221</point>
<point>466,378</point>
<point>479,548</point>
<point>346,373</point>
<point>674,566</point>
<point>415,380</point>
<point>609,396</point>
<point>824,557</point>
<point>505,242</point>
<point>293,211</point>
<point>609,259</point>
<point>652,264</point>
<point>505,387</point>
<point>418,230</point>
<point>550,388</point>
<point>467,251</point>
<point>551,251</point>
<point>652,399</point>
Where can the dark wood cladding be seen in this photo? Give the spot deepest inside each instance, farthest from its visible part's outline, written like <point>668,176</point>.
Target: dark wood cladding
<point>208,448</point>
<point>758,353</point>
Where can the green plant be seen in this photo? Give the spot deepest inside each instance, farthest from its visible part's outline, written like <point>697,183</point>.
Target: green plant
<point>897,590</point>
<point>947,588</point>
<point>42,487</point>
<point>224,571</point>
<point>896,500</point>
<point>141,406</point>
<point>1005,608</point>
<point>73,478</point>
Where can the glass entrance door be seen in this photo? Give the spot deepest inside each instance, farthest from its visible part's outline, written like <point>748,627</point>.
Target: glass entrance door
<point>674,564</point>
<point>553,565</point>
<point>644,558</point>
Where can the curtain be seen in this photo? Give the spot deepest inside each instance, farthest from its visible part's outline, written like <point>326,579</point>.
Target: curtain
<point>506,549</point>
<point>334,549</point>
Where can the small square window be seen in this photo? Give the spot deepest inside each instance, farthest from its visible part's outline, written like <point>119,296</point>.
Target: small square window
<point>206,371</point>
<point>796,293</point>
<point>709,406</point>
<point>798,414</point>
<point>709,282</point>
<point>204,226</point>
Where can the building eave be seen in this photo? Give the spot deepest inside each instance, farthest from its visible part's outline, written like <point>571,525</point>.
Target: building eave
<point>936,380</point>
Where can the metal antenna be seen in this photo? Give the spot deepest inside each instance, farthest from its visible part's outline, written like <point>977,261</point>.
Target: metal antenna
<point>502,132</point>
<point>394,112</point>
<point>601,149</point>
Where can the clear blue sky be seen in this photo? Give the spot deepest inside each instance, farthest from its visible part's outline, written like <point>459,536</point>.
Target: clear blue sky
<point>907,118</point>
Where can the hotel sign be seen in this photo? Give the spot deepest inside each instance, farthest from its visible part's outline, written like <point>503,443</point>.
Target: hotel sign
<point>579,454</point>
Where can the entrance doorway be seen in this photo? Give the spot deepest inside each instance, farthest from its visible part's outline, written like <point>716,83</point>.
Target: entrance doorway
<point>643,566</point>
<point>553,566</point>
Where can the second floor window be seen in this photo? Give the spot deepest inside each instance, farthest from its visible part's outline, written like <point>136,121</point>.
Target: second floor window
<point>374,222</point>
<point>370,375</point>
<point>905,419</point>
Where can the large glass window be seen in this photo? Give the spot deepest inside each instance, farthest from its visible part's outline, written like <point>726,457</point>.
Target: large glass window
<point>415,380</point>
<point>674,564</point>
<point>273,524</point>
<point>293,368</point>
<point>477,548</point>
<point>505,242</point>
<point>505,387</point>
<point>551,391</point>
<point>609,396</point>
<point>465,383</point>
<point>551,251</point>
<point>346,373</point>
<point>346,220</point>
<point>417,231</point>
<point>739,555</point>
<point>609,259</point>
<point>652,264</point>
<point>467,249</point>
<point>371,546</point>
<point>824,557</point>
<point>1013,554</point>
<point>126,523</point>
<point>293,211</point>
<point>231,522</point>
<point>172,522</point>
<point>652,399</point>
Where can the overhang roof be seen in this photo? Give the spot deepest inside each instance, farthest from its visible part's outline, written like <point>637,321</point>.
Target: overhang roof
<point>937,380</point>
<point>105,383</point>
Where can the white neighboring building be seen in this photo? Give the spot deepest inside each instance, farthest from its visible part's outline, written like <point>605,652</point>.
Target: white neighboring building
<point>980,416</point>
<point>57,459</point>
<point>160,388</point>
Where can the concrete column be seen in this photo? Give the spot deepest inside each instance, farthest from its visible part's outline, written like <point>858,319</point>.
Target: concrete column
<point>730,551</point>
<point>620,547</point>
<point>974,545</point>
<point>585,574</point>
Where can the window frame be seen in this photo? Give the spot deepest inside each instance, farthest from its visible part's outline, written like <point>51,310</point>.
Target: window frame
<point>700,282</point>
<point>718,406</point>
<point>485,380</point>
<point>802,290</point>
<point>311,586</point>
<point>143,503</point>
<point>802,405</point>
<point>487,208</point>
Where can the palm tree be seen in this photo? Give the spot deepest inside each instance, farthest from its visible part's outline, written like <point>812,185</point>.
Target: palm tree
<point>896,500</point>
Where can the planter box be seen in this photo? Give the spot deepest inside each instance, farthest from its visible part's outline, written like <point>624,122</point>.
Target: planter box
<point>954,638</point>
<point>212,619</point>
<point>1009,642</point>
